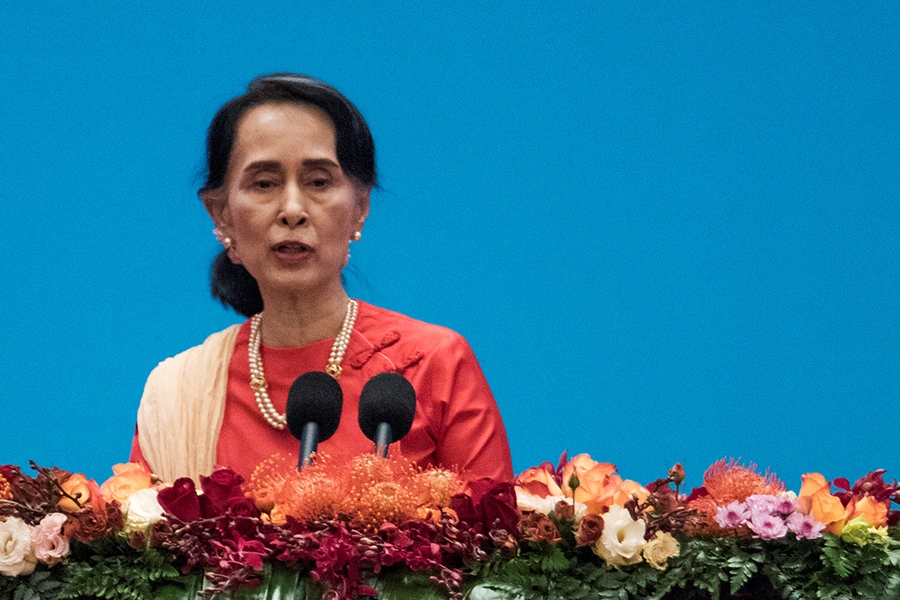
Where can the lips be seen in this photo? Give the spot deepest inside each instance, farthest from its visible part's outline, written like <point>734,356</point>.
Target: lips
<point>291,247</point>
<point>291,254</point>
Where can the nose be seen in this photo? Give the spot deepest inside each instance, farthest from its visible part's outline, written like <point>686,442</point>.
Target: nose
<point>293,208</point>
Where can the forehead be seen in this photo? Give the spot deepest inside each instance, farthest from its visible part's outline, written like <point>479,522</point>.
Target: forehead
<point>282,132</point>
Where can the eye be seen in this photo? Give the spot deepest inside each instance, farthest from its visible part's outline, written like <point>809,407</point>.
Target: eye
<point>319,182</point>
<point>264,184</point>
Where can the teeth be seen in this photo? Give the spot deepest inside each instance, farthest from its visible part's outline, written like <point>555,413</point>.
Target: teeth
<point>293,248</point>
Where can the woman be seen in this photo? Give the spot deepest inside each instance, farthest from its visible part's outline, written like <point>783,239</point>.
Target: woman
<point>291,164</point>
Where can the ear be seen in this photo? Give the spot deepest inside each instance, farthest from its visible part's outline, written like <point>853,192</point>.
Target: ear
<point>362,207</point>
<point>217,206</point>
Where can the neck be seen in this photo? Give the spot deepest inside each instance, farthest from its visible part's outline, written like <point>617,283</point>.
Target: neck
<point>298,321</point>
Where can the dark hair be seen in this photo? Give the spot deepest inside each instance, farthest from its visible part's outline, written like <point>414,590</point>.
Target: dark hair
<point>230,283</point>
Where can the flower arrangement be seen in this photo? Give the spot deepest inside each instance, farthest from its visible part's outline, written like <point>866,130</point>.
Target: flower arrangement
<point>573,530</point>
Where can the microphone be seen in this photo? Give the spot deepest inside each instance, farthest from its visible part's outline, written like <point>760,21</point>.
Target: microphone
<point>313,411</point>
<point>387,406</point>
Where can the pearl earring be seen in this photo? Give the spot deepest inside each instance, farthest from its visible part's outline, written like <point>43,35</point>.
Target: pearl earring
<point>357,235</point>
<point>229,245</point>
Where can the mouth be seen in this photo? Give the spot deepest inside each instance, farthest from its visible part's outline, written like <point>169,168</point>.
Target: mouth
<point>291,248</point>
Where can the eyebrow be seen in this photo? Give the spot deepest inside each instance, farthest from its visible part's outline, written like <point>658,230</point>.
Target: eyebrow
<point>272,165</point>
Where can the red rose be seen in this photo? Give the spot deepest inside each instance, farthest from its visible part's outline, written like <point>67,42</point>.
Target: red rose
<point>490,504</point>
<point>590,528</point>
<point>222,485</point>
<point>241,507</point>
<point>677,474</point>
<point>500,508</point>
<point>90,524</point>
<point>182,502</point>
<point>462,505</point>
<point>564,511</point>
<point>536,526</point>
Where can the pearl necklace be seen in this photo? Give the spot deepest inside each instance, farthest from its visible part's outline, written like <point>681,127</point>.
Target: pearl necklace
<point>258,376</point>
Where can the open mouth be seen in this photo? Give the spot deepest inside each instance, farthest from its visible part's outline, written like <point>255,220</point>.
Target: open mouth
<point>291,248</point>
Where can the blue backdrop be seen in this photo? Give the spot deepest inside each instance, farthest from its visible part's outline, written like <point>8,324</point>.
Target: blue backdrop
<point>669,233</point>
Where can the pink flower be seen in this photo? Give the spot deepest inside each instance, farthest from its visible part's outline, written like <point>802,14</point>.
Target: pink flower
<point>767,527</point>
<point>732,515</point>
<point>50,547</point>
<point>785,506</point>
<point>762,503</point>
<point>804,526</point>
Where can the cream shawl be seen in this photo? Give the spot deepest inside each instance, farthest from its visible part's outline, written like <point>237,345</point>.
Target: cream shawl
<point>182,408</point>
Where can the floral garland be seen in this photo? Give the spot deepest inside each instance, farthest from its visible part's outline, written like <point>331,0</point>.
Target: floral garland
<point>572,530</point>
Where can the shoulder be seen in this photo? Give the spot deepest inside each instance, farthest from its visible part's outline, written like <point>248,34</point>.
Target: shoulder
<point>216,346</point>
<point>375,322</point>
<point>401,342</point>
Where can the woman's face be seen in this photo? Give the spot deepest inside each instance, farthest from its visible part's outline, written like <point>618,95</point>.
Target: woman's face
<point>288,207</point>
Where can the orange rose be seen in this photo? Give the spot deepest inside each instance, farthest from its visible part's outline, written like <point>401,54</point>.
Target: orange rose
<point>814,483</point>
<point>627,489</point>
<point>616,491</point>
<point>127,479</point>
<point>592,477</point>
<point>82,489</point>
<point>598,484</point>
<point>870,509</point>
<point>815,499</point>
<point>537,481</point>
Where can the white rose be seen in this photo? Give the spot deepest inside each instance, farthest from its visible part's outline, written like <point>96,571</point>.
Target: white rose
<point>16,550</point>
<point>141,510</point>
<point>660,549</point>
<point>622,539</point>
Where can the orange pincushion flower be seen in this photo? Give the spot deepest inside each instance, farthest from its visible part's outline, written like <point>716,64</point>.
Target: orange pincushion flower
<point>268,479</point>
<point>371,468</point>
<point>313,496</point>
<point>368,508</point>
<point>365,491</point>
<point>310,494</point>
<point>728,481</point>
<point>382,490</point>
<point>278,488</point>
<point>438,485</point>
<point>5,489</point>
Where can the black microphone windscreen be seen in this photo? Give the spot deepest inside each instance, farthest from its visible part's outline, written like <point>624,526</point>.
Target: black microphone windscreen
<point>314,397</point>
<point>387,398</point>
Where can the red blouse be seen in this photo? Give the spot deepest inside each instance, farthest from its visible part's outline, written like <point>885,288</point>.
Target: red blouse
<point>457,422</point>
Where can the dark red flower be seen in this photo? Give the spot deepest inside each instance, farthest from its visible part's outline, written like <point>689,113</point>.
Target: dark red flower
<point>500,508</point>
<point>222,485</point>
<point>241,507</point>
<point>893,518</point>
<point>664,499</point>
<point>564,511</point>
<point>91,524</point>
<point>490,504</point>
<point>872,484</point>
<point>590,528</point>
<point>182,501</point>
<point>698,492</point>
<point>465,510</point>
<point>536,526</point>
